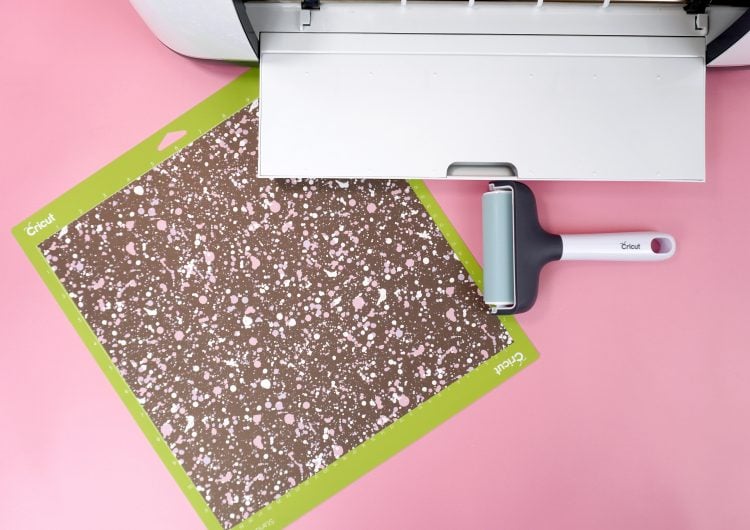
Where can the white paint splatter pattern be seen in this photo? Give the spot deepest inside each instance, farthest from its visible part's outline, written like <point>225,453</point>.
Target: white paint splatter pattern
<point>269,327</point>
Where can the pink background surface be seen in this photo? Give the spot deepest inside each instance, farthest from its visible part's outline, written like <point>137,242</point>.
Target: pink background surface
<point>636,416</point>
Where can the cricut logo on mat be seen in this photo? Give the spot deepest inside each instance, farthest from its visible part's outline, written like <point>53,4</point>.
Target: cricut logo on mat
<point>517,358</point>
<point>32,229</point>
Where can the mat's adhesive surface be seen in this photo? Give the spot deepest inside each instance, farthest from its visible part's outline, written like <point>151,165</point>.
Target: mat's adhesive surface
<point>269,327</point>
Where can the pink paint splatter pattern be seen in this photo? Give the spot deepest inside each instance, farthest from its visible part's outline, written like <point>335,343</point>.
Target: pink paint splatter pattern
<point>269,327</point>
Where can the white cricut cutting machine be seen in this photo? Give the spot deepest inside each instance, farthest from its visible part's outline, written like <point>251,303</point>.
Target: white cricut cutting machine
<point>485,89</point>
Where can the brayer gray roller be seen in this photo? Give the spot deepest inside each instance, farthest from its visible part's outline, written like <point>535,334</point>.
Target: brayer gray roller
<point>516,247</point>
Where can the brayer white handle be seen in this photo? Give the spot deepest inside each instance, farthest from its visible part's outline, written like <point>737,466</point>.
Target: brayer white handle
<point>625,246</point>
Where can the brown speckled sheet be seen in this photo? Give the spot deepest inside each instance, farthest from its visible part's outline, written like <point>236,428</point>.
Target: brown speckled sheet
<point>268,327</point>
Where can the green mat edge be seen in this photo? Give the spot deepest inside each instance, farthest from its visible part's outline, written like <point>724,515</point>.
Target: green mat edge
<point>305,496</point>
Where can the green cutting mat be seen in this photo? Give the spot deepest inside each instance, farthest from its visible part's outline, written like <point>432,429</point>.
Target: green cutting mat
<point>215,110</point>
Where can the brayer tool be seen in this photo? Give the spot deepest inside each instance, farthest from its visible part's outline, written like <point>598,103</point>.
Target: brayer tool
<point>516,247</point>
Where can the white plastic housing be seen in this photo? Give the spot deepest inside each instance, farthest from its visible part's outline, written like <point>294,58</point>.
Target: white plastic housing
<point>207,29</point>
<point>211,29</point>
<point>737,55</point>
<point>729,26</point>
<point>589,125</point>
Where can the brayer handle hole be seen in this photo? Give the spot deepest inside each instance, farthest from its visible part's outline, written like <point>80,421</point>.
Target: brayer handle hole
<point>661,245</point>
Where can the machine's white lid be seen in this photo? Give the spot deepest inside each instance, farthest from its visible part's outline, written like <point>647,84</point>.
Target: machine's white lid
<point>432,106</point>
